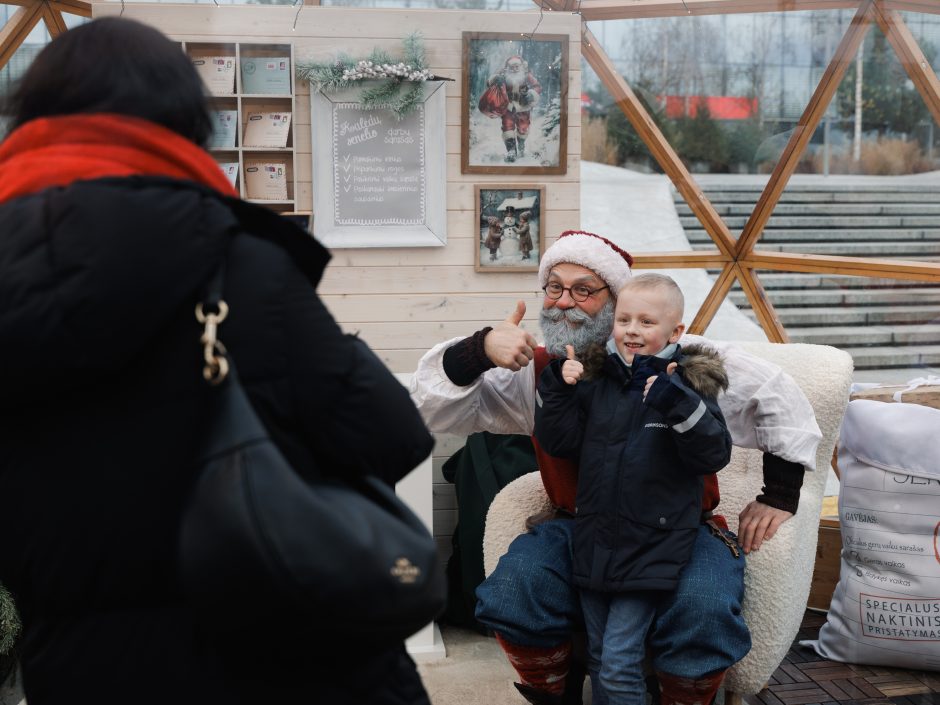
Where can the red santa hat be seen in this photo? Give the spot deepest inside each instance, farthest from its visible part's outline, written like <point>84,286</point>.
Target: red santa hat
<point>597,253</point>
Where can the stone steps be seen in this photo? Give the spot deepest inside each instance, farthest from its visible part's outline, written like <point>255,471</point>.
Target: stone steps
<point>845,298</point>
<point>794,280</point>
<point>884,324</point>
<point>825,193</point>
<point>834,209</point>
<point>822,197</point>
<point>826,221</point>
<point>896,250</point>
<point>897,356</point>
<point>857,316</point>
<point>697,235</point>
<point>927,333</point>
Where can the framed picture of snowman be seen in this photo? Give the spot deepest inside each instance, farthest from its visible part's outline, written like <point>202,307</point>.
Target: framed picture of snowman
<point>515,103</point>
<point>509,220</point>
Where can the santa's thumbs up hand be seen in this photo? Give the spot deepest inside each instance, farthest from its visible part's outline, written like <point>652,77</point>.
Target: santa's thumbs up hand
<point>571,370</point>
<point>508,345</point>
<point>516,316</point>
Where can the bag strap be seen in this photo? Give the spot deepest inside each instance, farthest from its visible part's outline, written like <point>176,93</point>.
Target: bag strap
<point>211,311</point>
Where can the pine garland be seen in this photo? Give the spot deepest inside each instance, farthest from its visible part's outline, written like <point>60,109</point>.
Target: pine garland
<point>389,76</point>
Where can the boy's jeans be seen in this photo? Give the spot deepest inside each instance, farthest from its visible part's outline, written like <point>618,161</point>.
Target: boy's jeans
<point>616,630</point>
<point>530,600</point>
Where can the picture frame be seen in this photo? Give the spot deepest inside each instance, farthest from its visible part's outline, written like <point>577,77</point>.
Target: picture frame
<point>508,218</point>
<point>515,103</point>
<point>378,180</point>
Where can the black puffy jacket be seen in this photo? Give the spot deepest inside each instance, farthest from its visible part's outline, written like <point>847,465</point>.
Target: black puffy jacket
<point>102,408</point>
<point>639,487</point>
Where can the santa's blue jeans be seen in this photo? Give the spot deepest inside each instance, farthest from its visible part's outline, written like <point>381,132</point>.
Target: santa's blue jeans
<point>698,629</point>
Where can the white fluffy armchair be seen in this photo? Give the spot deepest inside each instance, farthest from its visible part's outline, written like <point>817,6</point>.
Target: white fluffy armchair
<point>777,578</point>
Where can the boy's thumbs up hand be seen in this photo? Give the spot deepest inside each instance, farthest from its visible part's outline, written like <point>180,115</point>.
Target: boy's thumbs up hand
<point>508,345</point>
<point>670,368</point>
<point>571,370</point>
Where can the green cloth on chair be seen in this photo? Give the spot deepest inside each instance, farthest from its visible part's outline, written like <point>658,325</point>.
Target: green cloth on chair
<point>487,463</point>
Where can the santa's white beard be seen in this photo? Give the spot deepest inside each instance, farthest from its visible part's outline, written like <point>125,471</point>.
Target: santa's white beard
<point>515,80</point>
<point>558,331</point>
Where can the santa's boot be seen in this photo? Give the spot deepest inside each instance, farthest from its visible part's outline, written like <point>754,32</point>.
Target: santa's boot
<point>511,149</point>
<point>520,147</point>
<point>543,671</point>
<point>538,697</point>
<point>675,690</point>
<point>574,682</point>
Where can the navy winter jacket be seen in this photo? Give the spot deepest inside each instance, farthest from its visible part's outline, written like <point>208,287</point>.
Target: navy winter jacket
<point>640,484</point>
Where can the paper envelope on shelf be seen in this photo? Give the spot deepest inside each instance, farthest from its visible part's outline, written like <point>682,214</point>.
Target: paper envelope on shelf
<point>266,130</point>
<point>217,72</point>
<point>269,75</point>
<point>266,180</point>
<point>224,128</point>
<point>230,169</point>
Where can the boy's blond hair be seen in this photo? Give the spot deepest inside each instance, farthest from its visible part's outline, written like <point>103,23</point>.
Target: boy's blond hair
<point>652,281</point>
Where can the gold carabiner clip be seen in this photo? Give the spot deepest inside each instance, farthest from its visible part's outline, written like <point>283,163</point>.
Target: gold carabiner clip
<point>214,353</point>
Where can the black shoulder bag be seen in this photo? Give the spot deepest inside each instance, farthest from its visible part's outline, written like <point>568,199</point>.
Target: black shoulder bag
<point>262,550</point>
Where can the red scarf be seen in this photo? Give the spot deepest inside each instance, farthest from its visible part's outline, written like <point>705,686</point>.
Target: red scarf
<point>57,151</point>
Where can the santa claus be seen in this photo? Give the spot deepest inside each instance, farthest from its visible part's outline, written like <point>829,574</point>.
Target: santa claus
<point>522,92</point>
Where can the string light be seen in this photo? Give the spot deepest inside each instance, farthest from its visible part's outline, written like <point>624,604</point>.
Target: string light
<point>541,15</point>
<point>297,16</point>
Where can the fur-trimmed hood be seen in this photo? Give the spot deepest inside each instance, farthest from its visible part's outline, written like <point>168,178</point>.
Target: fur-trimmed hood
<point>703,370</point>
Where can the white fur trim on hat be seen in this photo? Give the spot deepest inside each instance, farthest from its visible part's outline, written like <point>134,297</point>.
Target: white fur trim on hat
<point>596,253</point>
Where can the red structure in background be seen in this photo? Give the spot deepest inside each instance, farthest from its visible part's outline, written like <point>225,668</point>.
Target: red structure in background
<point>720,107</point>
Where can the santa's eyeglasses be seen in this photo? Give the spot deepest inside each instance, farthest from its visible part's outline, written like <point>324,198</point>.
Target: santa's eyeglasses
<point>578,292</point>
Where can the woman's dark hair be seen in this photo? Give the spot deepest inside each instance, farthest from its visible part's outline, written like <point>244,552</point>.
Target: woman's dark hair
<point>113,65</point>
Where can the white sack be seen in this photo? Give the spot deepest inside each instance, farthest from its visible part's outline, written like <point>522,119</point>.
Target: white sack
<point>886,607</point>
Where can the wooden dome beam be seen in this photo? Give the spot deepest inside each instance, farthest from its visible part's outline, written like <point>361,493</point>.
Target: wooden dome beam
<point>912,57</point>
<point>17,28</point>
<point>27,16</point>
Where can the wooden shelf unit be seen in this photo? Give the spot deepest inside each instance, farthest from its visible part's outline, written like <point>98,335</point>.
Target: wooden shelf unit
<point>244,103</point>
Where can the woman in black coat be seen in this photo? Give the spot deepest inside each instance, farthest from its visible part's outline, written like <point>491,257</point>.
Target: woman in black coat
<point>112,219</point>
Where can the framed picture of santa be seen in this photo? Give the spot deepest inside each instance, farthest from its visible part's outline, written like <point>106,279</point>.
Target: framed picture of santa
<point>515,103</point>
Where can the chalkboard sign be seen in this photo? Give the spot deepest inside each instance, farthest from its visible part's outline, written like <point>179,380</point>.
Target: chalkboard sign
<point>379,181</point>
<point>379,170</point>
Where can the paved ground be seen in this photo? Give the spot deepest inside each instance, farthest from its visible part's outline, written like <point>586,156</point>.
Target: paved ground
<point>476,673</point>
